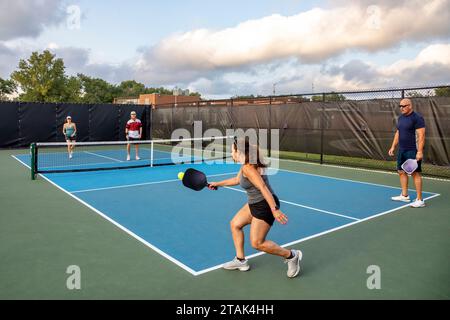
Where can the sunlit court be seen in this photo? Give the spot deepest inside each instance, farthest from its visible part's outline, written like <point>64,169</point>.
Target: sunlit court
<point>202,154</point>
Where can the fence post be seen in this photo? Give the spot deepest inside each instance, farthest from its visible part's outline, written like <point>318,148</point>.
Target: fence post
<point>269,138</point>
<point>231,115</point>
<point>171,118</point>
<point>322,127</point>
<point>196,118</point>
<point>149,121</point>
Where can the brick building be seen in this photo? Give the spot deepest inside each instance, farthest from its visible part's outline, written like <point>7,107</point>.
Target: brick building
<point>156,99</point>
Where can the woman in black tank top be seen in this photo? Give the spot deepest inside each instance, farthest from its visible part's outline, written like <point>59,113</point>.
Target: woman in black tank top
<point>262,209</point>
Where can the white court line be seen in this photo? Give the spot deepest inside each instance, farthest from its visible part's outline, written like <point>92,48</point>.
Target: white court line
<point>148,244</point>
<point>341,179</point>
<point>143,184</point>
<point>99,155</point>
<point>357,169</point>
<point>317,234</point>
<point>343,167</point>
<point>303,206</point>
<point>124,186</point>
<point>348,180</point>
<point>196,273</point>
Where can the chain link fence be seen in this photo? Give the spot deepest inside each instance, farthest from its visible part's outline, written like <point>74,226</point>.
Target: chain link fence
<point>353,128</point>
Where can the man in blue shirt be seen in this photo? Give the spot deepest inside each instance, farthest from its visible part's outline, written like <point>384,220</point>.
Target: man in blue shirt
<point>410,136</point>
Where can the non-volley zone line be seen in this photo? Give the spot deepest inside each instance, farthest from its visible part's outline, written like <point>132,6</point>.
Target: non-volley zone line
<point>229,188</point>
<point>144,183</point>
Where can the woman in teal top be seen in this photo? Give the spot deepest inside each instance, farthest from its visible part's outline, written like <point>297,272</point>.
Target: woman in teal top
<point>70,132</point>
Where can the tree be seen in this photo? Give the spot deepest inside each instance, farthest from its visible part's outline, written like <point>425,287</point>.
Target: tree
<point>41,78</point>
<point>95,90</point>
<point>159,90</point>
<point>7,87</point>
<point>131,88</point>
<point>415,94</point>
<point>72,90</point>
<point>442,92</point>
<point>247,97</point>
<point>329,97</point>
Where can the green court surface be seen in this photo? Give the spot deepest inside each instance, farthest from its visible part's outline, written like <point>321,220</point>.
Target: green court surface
<point>43,231</point>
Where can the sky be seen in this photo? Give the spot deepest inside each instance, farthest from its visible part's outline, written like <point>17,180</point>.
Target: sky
<point>227,48</point>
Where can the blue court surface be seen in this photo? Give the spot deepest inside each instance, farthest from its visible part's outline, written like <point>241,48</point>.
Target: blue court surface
<point>192,228</point>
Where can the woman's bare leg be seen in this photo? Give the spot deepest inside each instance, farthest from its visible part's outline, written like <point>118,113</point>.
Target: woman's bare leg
<point>258,233</point>
<point>239,221</point>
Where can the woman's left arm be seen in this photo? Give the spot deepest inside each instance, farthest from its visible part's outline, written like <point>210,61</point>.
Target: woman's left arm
<point>255,178</point>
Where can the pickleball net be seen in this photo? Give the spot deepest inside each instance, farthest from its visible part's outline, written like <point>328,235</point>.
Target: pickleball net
<point>53,157</point>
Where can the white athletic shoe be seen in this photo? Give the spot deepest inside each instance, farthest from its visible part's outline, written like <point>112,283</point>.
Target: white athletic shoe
<point>237,264</point>
<point>137,158</point>
<point>294,264</point>
<point>128,157</point>
<point>70,155</point>
<point>401,198</point>
<point>418,204</point>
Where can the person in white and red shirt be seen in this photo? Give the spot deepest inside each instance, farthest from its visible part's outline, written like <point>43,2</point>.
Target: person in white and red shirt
<point>133,131</point>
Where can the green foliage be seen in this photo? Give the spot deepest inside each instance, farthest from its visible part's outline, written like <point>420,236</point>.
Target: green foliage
<point>130,88</point>
<point>247,97</point>
<point>6,87</point>
<point>95,90</point>
<point>329,97</point>
<point>41,78</point>
<point>72,90</point>
<point>159,90</point>
<point>414,94</point>
<point>442,92</point>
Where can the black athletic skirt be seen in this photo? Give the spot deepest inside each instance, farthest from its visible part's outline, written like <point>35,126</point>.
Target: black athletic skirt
<point>261,210</point>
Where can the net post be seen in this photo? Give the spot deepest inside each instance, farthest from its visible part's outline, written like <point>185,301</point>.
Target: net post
<point>322,127</point>
<point>151,154</point>
<point>33,166</point>
<point>269,137</point>
<point>193,152</point>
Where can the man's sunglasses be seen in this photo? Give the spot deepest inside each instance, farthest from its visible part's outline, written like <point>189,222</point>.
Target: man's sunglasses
<point>403,105</point>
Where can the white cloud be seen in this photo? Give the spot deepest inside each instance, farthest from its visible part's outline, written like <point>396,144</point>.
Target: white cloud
<point>10,56</point>
<point>431,66</point>
<point>28,18</point>
<point>312,36</point>
<point>76,60</point>
<point>292,51</point>
<point>433,54</point>
<point>79,60</point>
<point>53,45</point>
